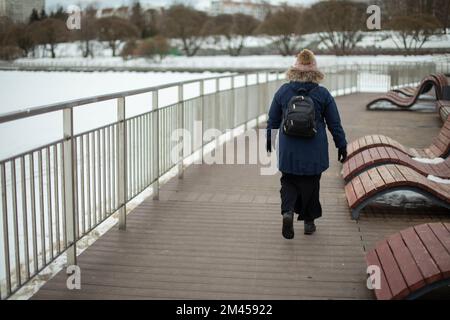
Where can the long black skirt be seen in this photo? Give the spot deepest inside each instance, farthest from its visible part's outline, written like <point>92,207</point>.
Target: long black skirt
<point>301,195</point>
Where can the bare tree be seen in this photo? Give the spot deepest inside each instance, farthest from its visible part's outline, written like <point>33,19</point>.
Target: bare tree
<point>137,17</point>
<point>88,32</point>
<point>437,8</point>
<point>338,24</point>
<point>284,26</point>
<point>24,39</point>
<point>8,47</point>
<point>114,31</point>
<point>49,32</point>
<point>441,11</point>
<point>235,28</point>
<point>187,24</point>
<point>412,32</point>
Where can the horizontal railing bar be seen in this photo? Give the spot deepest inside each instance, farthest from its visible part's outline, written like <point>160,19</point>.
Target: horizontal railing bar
<point>26,153</point>
<point>112,124</point>
<point>55,107</point>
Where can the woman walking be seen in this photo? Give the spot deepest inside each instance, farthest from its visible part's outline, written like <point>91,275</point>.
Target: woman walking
<point>301,109</point>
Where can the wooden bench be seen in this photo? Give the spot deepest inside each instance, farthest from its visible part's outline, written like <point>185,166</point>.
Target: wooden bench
<point>438,81</point>
<point>443,109</point>
<point>440,147</point>
<point>412,262</point>
<point>411,91</point>
<point>441,79</point>
<point>376,182</point>
<point>386,155</point>
<point>443,82</point>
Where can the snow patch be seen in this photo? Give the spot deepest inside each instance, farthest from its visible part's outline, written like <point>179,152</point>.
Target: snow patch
<point>429,161</point>
<point>404,199</point>
<point>421,106</point>
<point>438,180</point>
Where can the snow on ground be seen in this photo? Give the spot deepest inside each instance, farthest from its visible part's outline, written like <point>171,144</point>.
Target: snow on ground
<point>383,40</point>
<point>421,106</point>
<point>376,40</point>
<point>218,62</point>
<point>404,199</point>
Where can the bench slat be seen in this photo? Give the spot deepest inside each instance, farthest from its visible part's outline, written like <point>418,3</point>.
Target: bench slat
<point>385,175</point>
<point>367,183</point>
<point>442,233</point>
<point>384,293</point>
<point>350,195</point>
<point>394,277</point>
<point>435,248</point>
<point>406,263</point>
<point>424,261</point>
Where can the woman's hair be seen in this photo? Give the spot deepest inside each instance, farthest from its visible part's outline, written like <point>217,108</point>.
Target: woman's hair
<point>304,76</point>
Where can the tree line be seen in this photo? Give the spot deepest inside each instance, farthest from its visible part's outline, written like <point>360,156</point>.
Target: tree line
<point>339,26</point>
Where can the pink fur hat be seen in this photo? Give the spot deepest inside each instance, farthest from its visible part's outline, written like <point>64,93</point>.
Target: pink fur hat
<point>306,61</point>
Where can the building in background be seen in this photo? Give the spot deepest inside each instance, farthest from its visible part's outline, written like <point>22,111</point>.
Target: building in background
<point>257,9</point>
<point>20,10</point>
<point>125,12</point>
<point>121,12</point>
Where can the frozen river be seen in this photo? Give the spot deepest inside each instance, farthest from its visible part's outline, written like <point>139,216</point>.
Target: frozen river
<point>24,90</point>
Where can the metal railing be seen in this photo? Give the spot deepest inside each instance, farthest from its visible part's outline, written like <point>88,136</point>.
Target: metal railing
<point>54,195</point>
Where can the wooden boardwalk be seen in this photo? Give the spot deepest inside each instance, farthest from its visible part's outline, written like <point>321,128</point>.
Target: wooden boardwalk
<point>217,233</point>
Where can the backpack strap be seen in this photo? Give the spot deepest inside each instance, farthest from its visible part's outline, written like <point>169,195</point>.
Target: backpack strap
<point>303,90</point>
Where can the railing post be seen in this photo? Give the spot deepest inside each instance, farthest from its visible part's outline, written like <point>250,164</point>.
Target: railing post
<point>246,102</point>
<point>155,143</point>
<point>233,103</point>
<point>69,186</point>
<point>346,73</point>
<point>260,95</point>
<point>181,123</point>
<point>202,109</point>
<point>217,120</point>
<point>122,164</point>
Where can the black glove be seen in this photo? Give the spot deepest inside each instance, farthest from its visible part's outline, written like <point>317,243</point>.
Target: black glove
<point>271,140</point>
<point>269,146</point>
<point>342,154</point>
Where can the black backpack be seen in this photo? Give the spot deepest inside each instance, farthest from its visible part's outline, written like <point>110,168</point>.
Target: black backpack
<point>299,119</point>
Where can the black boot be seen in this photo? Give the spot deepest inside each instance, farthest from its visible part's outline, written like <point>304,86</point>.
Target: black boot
<point>288,225</point>
<point>310,227</point>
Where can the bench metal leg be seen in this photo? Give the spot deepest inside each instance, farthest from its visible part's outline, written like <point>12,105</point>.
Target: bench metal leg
<point>429,288</point>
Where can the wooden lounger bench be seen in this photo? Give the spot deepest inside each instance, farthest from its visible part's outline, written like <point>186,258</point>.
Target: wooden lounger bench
<point>438,81</point>
<point>423,89</point>
<point>411,91</point>
<point>440,147</point>
<point>386,155</point>
<point>376,182</point>
<point>444,109</point>
<point>412,262</point>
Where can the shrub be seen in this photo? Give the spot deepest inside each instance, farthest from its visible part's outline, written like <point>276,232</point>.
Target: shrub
<point>156,48</point>
<point>129,50</point>
<point>10,53</point>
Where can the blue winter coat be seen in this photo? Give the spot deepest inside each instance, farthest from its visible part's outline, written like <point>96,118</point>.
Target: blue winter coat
<point>306,156</point>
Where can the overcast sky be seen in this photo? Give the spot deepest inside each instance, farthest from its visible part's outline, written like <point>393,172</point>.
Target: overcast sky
<point>51,4</point>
